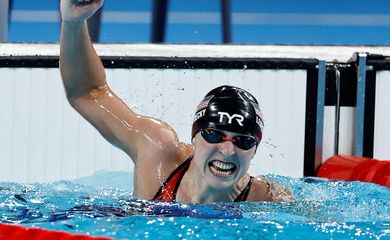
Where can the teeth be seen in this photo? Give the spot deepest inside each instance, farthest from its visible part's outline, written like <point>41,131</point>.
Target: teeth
<point>221,168</point>
<point>223,165</point>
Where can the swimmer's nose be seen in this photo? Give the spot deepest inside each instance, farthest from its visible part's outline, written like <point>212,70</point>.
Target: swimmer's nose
<point>226,148</point>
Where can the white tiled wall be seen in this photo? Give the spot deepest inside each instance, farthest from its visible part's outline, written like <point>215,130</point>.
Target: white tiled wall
<point>382,116</point>
<point>43,139</point>
<point>346,131</point>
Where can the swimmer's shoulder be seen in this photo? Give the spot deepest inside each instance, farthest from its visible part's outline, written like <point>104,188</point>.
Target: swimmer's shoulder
<point>259,190</point>
<point>160,143</point>
<point>155,168</point>
<point>263,189</point>
<point>158,155</point>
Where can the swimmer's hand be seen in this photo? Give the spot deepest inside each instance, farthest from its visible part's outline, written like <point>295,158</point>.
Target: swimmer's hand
<point>79,10</point>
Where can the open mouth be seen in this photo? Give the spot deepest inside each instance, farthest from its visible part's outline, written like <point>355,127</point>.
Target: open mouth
<point>81,3</point>
<point>222,169</point>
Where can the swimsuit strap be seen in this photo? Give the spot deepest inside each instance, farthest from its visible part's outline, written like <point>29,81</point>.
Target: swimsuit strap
<point>244,194</point>
<point>167,192</point>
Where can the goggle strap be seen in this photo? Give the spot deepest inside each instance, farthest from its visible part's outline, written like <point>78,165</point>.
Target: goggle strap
<point>227,139</point>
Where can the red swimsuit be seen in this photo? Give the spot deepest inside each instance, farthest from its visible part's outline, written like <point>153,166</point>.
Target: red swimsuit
<point>167,192</point>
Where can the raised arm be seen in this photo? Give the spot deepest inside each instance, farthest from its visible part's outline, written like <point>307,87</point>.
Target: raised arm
<point>87,90</point>
<point>81,68</point>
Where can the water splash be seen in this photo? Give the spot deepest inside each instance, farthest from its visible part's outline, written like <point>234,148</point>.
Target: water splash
<point>323,210</point>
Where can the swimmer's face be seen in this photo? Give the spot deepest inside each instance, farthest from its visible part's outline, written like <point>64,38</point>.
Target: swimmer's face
<point>222,164</point>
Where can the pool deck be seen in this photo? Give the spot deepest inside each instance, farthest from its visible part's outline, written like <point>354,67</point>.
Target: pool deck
<point>327,53</point>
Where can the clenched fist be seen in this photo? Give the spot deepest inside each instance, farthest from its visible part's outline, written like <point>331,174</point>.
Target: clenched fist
<point>79,10</point>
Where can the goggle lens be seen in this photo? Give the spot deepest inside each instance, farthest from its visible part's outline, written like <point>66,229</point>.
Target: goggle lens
<point>215,136</point>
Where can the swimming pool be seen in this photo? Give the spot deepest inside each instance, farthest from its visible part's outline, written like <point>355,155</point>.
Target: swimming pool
<point>323,210</point>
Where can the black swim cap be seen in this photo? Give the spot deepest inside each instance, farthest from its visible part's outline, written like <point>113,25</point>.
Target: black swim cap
<point>231,109</point>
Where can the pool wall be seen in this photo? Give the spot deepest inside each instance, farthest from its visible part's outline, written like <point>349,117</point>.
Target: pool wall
<point>44,139</point>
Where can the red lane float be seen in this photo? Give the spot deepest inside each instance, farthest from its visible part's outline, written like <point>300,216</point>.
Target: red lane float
<point>13,232</point>
<point>350,168</point>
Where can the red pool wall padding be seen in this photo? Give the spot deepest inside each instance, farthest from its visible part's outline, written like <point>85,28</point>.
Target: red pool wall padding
<point>13,232</point>
<point>350,168</point>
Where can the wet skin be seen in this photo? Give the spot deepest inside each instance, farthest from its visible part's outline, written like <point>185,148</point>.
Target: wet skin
<point>217,172</point>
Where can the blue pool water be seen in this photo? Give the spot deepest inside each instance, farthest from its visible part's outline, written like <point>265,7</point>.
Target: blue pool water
<point>323,210</point>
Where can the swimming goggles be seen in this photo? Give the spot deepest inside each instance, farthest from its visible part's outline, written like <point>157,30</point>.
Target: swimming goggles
<point>241,141</point>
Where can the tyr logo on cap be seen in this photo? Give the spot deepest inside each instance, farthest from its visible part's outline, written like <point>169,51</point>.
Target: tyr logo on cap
<point>239,118</point>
